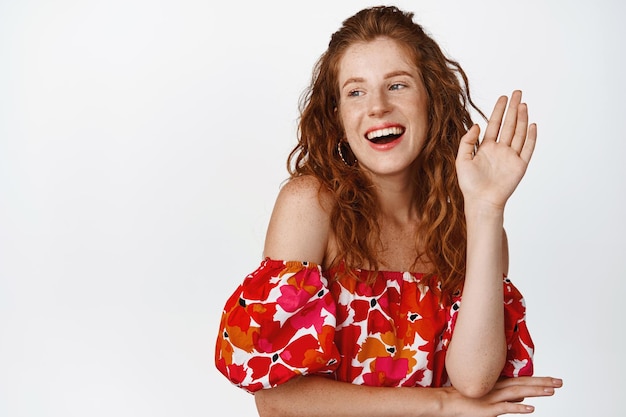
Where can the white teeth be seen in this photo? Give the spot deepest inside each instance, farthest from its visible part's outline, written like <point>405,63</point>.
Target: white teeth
<point>385,132</point>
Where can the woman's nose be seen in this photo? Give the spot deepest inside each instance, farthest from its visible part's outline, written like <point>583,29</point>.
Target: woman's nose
<point>378,104</point>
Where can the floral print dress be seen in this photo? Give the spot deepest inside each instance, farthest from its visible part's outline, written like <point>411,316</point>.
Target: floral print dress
<point>287,319</point>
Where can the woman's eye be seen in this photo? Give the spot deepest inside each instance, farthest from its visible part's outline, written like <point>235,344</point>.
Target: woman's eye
<point>354,93</point>
<point>397,86</point>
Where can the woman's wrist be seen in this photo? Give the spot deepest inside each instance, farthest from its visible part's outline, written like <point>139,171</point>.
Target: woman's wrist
<point>483,210</point>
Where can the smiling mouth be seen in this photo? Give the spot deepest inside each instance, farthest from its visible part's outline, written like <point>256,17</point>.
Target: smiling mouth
<point>386,135</point>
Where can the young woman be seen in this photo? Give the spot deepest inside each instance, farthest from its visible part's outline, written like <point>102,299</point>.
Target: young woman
<point>385,257</point>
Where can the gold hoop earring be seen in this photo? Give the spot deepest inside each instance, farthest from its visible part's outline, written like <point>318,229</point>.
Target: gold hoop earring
<point>349,159</point>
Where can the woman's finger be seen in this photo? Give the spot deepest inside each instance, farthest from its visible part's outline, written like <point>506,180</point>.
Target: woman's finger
<point>512,408</point>
<point>529,144</point>
<point>510,121</point>
<point>529,380</point>
<point>521,128</point>
<point>468,144</point>
<point>495,120</point>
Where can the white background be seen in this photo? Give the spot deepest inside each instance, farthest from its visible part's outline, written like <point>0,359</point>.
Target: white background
<point>142,145</point>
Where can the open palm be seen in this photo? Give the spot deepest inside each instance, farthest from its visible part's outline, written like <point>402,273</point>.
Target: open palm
<point>491,174</point>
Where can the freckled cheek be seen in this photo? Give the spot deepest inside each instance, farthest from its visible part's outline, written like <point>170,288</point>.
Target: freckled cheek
<point>353,138</point>
<point>350,122</point>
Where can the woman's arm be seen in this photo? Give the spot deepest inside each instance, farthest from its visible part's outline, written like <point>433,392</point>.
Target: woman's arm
<point>299,227</point>
<point>313,396</point>
<point>477,350</point>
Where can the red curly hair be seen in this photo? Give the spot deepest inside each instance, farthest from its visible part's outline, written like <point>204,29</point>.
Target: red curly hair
<point>441,236</point>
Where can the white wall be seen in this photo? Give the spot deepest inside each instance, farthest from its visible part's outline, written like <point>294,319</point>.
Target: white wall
<point>142,145</point>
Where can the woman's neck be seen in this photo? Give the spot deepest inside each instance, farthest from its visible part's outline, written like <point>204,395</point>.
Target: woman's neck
<point>395,199</point>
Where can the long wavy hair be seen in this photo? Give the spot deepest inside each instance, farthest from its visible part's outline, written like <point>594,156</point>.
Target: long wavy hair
<point>441,237</point>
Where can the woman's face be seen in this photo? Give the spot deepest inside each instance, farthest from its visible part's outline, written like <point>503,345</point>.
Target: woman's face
<point>383,106</point>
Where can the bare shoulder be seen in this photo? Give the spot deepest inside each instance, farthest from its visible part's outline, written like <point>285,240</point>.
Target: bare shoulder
<point>306,186</point>
<point>307,195</point>
<point>299,227</point>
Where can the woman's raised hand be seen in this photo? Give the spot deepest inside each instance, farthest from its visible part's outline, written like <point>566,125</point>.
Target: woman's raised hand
<point>489,174</point>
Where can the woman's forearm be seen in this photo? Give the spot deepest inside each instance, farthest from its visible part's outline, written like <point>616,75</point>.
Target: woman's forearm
<point>477,350</point>
<point>314,396</point>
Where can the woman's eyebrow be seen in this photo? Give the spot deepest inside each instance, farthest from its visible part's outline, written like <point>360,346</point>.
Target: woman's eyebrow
<point>387,76</point>
<point>399,73</point>
<point>353,80</point>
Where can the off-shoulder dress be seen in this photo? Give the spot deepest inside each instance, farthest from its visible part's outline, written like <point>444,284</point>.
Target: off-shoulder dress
<point>288,318</point>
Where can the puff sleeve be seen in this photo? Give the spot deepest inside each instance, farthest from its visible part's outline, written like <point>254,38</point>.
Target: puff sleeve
<point>278,324</point>
<point>520,346</point>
